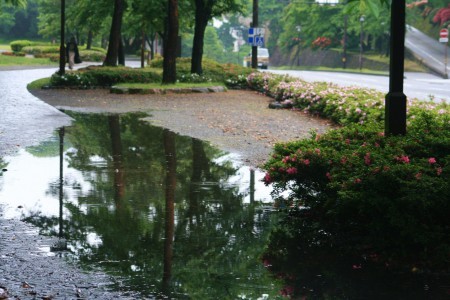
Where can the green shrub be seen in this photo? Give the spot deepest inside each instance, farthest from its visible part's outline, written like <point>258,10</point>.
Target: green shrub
<point>40,49</point>
<point>98,76</point>
<point>371,195</point>
<point>92,55</point>
<point>343,105</point>
<point>234,76</point>
<point>17,46</point>
<point>13,53</point>
<point>54,57</point>
<point>72,79</point>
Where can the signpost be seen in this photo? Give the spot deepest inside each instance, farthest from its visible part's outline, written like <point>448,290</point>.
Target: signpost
<point>256,36</point>
<point>443,38</point>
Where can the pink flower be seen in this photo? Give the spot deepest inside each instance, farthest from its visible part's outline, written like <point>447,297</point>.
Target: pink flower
<point>317,150</point>
<point>306,162</point>
<point>403,159</point>
<point>418,175</point>
<point>267,179</point>
<point>432,160</point>
<point>347,141</point>
<point>291,170</point>
<point>367,160</point>
<point>439,171</point>
<point>328,175</point>
<point>358,180</point>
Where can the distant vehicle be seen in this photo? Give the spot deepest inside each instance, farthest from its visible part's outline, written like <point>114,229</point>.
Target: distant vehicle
<point>263,59</point>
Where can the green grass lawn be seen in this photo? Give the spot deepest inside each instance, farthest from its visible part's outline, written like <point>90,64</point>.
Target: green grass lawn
<point>6,60</point>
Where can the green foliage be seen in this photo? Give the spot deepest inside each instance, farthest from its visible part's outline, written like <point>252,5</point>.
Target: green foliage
<point>371,194</point>
<point>343,105</point>
<point>72,79</point>
<point>40,49</point>
<point>17,46</point>
<point>234,76</point>
<point>97,76</point>
<point>92,55</point>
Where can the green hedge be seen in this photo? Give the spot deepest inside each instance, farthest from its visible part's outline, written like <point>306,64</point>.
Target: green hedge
<point>17,46</point>
<point>40,49</point>
<point>98,76</point>
<point>234,76</point>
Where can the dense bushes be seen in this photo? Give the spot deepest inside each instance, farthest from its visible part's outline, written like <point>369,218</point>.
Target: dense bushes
<point>234,76</point>
<point>16,46</point>
<point>357,191</point>
<point>97,76</point>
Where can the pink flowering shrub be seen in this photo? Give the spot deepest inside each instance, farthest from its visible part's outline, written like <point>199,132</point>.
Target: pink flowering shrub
<point>387,195</point>
<point>342,105</point>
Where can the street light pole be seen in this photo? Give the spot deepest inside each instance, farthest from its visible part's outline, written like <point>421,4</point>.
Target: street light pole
<point>62,50</point>
<point>395,108</point>
<point>255,25</point>
<point>361,36</point>
<point>344,54</point>
<point>299,29</point>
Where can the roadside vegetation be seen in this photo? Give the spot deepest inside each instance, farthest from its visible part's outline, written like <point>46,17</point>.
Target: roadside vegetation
<point>354,194</point>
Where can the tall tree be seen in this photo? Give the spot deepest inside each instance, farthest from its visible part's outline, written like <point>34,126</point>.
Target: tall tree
<point>115,47</point>
<point>171,43</point>
<point>205,10</point>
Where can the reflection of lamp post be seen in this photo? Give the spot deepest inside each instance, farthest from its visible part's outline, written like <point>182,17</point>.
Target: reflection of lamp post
<point>299,29</point>
<point>361,20</point>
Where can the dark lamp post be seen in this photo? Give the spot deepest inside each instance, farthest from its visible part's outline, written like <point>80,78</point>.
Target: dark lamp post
<point>299,29</point>
<point>361,36</point>
<point>62,50</point>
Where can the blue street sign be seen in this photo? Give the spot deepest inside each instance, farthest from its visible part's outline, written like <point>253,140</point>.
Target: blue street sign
<point>250,40</point>
<point>250,31</point>
<point>259,41</point>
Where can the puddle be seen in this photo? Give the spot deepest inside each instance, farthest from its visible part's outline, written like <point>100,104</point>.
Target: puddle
<point>161,213</point>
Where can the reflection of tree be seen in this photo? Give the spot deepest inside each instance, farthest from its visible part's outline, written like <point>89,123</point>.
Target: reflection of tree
<point>197,234</point>
<point>116,143</point>
<point>171,171</point>
<point>313,266</point>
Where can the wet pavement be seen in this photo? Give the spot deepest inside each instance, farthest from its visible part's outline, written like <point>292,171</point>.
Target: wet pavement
<point>24,119</point>
<point>27,270</point>
<point>31,265</point>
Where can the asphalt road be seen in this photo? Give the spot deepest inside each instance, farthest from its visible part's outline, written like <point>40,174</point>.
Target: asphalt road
<point>24,119</point>
<point>427,50</point>
<point>422,86</point>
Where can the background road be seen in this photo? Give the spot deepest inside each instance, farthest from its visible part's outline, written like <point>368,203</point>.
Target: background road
<point>416,85</point>
<point>427,50</point>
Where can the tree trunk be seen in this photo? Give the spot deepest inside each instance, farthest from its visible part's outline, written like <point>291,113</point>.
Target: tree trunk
<point>89,40</point>
<point>115,35</point>
<point>170,44</point>
<point>121,53</point>
<point>201,21</point>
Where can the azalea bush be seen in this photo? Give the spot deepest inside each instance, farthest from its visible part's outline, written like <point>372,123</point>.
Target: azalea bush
<point>72,79</point>
<point>368,194</point>
<point>342,105</point>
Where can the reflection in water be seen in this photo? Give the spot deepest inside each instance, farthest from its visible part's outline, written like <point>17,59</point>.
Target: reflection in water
<point>170,216</point>
<point>163,214</point>
<point>171,181</point>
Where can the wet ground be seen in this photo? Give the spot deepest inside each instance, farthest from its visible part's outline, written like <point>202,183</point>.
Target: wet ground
<point>28,267</point>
